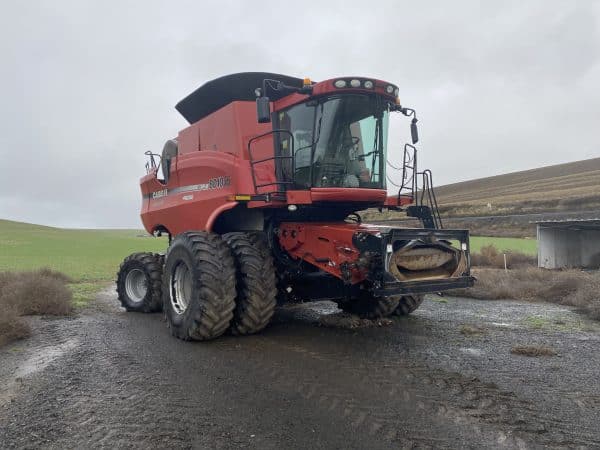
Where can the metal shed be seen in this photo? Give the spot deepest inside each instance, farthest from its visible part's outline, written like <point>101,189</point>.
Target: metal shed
<point>569,243</point>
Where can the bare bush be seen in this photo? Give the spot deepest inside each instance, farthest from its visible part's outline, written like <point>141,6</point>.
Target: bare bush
<point>489,256</point>
<point>38,295</point>
<point>566,287</point>
<point>27,293</point>
<point>12,327</point>
<point>49,273</point>
<point>587,296</point>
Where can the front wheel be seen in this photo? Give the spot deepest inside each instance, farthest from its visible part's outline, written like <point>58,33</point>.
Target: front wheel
<point>408,303</point>
<point>369,306</point>
<point>139,282</point>
<point>198,286</point>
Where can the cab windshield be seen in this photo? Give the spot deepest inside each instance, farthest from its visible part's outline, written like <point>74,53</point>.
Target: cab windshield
<point>339,141</point>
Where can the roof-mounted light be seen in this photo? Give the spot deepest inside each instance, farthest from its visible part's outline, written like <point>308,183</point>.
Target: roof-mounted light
<point>389,89</point>
<point>368,84</point>
<point>355,83</point>
<point>340,84</point>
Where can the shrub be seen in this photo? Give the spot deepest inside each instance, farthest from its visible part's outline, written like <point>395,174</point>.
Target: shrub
<point>567,287</point>
<point>12,327</point>
<point>34,292</point>
<point>489,256</point>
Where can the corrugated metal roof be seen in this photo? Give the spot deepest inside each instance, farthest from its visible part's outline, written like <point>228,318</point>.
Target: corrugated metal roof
<point>574,224</point>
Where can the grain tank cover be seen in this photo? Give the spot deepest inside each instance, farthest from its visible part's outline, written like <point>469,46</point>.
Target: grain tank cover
<point>219,92</point>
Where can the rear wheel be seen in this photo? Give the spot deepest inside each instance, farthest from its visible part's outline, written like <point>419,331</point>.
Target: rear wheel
<point>198,286</point>
<point>369,306</point>
<point>408,303</point>
<point>139,282</point>
<point>255,282</point>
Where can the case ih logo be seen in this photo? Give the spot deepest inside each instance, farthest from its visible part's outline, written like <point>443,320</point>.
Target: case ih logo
<point>213,183</point>
<point>159,194</point>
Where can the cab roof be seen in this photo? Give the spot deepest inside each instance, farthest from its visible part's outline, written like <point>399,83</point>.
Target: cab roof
<point>215,94</point>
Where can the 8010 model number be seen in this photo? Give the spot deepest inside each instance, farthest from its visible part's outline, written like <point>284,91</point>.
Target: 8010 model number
<point>219,182</point>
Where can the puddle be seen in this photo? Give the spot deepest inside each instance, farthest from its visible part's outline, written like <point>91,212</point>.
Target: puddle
<point>38,361</point>
<point>43,358</point>
<point>472,351</point>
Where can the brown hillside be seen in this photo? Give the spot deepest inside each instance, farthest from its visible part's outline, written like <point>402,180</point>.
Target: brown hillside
<point>563,187</point>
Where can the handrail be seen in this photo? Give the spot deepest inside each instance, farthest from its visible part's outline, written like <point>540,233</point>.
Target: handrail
<point>271,158</point>
<point>410,185</point>
<point>431,197</point>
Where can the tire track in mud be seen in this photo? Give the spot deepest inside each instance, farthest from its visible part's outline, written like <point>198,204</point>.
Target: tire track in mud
<point>128,384</point>
<point>488,415</point>
<point>101,398</point>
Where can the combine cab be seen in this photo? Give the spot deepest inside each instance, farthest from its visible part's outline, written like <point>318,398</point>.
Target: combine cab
<point>259,197</point>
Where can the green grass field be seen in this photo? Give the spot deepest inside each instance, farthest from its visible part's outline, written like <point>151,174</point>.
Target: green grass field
<point>527,246</point>
<point>92,257</point>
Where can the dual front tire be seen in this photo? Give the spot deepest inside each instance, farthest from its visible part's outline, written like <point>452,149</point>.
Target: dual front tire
<point>209,284</point>
<point>198,286</point>
<point>212,284</point>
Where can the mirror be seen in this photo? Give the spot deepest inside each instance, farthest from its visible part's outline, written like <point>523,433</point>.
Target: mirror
<point>414,131</point>
<point>263,109</point>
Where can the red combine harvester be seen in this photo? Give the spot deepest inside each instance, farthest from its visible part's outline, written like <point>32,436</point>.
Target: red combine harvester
<point>259,197</point>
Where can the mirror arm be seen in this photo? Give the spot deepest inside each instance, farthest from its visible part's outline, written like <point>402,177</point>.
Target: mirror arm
<point>277,85</point>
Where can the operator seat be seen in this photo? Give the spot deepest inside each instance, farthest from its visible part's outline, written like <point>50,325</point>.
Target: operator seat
<point>169,152</point>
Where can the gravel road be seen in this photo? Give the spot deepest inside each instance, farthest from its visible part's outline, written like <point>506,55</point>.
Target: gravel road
<point>442,378</point>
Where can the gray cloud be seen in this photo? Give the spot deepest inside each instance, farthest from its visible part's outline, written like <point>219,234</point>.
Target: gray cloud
<point>88,86</point>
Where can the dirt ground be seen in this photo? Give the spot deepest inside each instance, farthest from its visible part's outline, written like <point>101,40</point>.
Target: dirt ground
<point>442,378</point>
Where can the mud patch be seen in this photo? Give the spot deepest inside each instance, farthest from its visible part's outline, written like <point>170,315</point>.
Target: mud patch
<point>533,350</point>
<point>470,330</point>
<point>350,322</point>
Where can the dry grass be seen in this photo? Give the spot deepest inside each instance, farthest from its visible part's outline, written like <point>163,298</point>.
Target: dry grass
<point>494,226</point>
<point>37,296</point>
<point>587,296</point>
<point>533,350</point>
<point>489,256</point>
<point>36,292</point>
<point>12,327</point>
<point>471,330</point>
<point>566,287</point>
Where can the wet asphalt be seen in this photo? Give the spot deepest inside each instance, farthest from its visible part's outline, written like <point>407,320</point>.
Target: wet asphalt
<point>444,377</point>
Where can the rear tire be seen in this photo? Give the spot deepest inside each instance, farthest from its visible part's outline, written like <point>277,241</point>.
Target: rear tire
<point>139,282</point>
<point>368,306</point>
<point>408,303</point>
<point>255,282</point>
<point>198,286</point>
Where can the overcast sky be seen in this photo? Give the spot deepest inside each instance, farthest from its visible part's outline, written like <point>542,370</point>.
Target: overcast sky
<point>86,87</point>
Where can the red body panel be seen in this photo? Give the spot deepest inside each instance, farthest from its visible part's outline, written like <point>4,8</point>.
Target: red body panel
<point>213,165</point>
<point>325,245</point>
